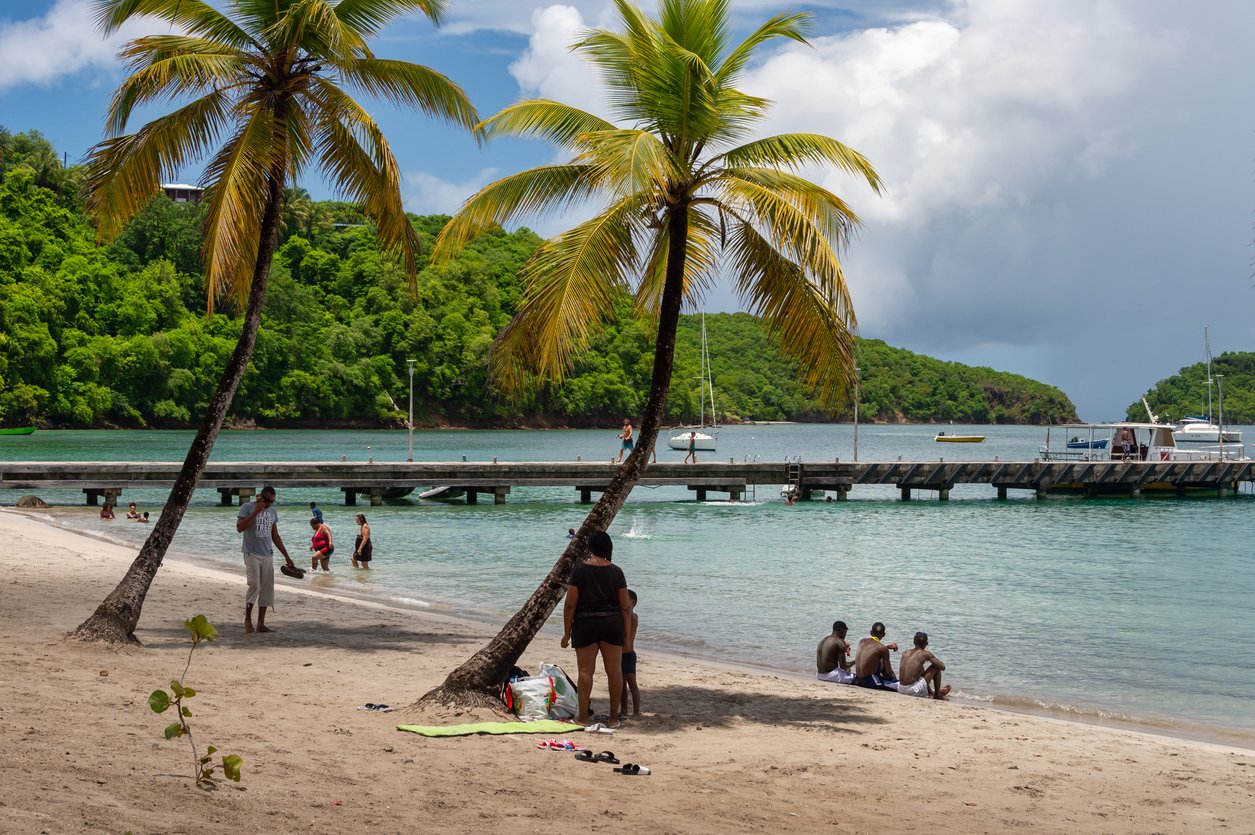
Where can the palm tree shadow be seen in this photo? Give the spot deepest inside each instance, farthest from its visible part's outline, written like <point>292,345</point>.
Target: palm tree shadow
<point>687,705</point>
<point>365,637</point>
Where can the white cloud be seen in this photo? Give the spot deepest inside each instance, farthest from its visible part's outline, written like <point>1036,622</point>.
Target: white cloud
<point>427,194</point>
<point>64,41</point>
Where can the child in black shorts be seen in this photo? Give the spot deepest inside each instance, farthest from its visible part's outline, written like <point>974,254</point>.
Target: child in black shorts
<point>629,666</point>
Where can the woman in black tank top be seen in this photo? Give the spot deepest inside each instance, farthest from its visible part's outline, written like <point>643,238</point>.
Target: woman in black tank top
<point>595,620</point>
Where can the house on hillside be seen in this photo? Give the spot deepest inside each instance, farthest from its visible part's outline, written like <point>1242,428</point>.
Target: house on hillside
<point>182,193</point>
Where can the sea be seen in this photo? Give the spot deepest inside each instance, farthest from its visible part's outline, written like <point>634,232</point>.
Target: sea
<point>1134,612</point>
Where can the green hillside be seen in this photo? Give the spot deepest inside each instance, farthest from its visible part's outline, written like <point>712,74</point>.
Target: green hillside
<point>1185,393</point>
<point>118,336</point>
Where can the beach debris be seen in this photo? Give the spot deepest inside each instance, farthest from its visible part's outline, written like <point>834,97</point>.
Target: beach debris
<point>31,501</point>
<point>371,706</point>
<point>104,673</point>
<point>159,701</point>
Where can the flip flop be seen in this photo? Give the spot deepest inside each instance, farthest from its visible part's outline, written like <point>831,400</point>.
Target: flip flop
<point>598,728</point>
<point>587,756</point>
<point>606,757</point>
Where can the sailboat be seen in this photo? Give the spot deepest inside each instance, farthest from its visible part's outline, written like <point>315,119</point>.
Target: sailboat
<point>697,435</point>
<point>1193,431</point>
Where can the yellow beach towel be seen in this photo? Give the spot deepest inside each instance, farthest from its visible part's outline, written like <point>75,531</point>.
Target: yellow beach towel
<point>541,726</point>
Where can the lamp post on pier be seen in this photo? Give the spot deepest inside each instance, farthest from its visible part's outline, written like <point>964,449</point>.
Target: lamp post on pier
<point>856,398</point>
<point>410,422</point>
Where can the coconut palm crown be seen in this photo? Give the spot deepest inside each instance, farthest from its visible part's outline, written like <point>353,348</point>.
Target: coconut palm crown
<point>746,209</point>
<point>263,92</point>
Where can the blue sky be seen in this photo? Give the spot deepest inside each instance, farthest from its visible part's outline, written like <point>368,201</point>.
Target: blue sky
<point>1069,181</point>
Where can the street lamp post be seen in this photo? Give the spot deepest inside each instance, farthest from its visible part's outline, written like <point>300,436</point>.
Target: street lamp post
<point>410,423</point>
<point>856,398</point>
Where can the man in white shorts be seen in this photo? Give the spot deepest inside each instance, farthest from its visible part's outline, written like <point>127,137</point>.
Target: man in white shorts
<point>919,672</point>
<point>259,523</point>
<point>832,661</point>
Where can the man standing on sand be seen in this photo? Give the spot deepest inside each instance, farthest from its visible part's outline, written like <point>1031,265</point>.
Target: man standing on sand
<point>920,671</point>
<point>832,661</point>
<point>259,523</point>
<point>872,666</point>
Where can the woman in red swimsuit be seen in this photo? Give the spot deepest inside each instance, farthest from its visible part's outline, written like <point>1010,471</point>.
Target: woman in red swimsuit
<point>321,545</point>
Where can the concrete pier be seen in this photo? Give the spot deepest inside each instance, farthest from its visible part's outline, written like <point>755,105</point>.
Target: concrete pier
<point>376,481</point>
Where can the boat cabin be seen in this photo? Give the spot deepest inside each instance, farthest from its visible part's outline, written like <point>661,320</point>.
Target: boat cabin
<point>1125,441</point>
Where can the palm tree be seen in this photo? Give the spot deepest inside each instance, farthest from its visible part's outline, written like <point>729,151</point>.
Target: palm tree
<point>683,203</point>
<point>266,90</point>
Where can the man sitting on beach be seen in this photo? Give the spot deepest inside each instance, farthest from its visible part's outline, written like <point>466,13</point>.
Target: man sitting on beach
<point>872,666</point>
<point>920,671</point>
<point>832,661</point>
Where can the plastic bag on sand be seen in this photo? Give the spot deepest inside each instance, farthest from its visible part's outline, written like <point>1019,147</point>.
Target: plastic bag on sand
<point>566,700</point>
<point>531,698</point>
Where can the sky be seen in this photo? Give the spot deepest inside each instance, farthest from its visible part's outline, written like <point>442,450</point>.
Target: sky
<point>1069,182</point>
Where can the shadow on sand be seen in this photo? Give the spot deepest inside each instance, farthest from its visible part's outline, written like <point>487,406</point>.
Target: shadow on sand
<point>692,705</point>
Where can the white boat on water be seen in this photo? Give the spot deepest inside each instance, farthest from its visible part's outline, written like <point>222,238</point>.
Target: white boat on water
<point>1194,431</point>
<point>1129,441</point>
<point>701,440</point>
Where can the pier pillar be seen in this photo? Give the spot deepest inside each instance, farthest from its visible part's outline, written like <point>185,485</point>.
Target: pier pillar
<point>1041,492</point>
<point>843,494</point>
<point>1180,491</point>
<point>376,496</point>
<point>350,496</point>
<point>472,496</point>
<point>701,494</point>
<point>586,495</point>
<point>110,493</point>
<point>1222,490</point>
<point>943,495</point>
<point>1002,492</point>
<point>246,494</point>
<point>224,496</point>
<point>804,494</point>
<point>499,494</point>
<point>734,495</point>
<point>1136,492</point>
<point>906,494</point>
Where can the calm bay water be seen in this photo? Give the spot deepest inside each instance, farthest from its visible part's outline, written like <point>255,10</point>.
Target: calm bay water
<point>1136,609</point>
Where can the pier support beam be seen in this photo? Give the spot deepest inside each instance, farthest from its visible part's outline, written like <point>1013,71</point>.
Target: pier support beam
<point>376,496</point>
<point>225,494</point>
<point>499,494</point>
<point>1222,490</point>
<point>1041,492</point>
<point>1002,492</point>
<point>1136,492</point>
<point>245,494</point>
<point>472,495</point>
<point>586,495</point>
<point>906,494</point>
<point>701,494</point>
<point>350,496</point>
<point>110,493</point>
<point>943,495</point>
<point>843,494</point>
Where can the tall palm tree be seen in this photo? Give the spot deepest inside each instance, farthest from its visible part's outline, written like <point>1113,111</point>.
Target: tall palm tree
<point>266,87</point>
<point>684,203</point>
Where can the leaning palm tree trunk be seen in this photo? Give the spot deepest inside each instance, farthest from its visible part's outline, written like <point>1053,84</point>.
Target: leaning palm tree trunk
<point>116,617</point>
<point>477,680</point>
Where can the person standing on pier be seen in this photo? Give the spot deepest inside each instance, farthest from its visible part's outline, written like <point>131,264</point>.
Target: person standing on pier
<point>692,448</point>
<point>259,523</point>
<point>626,436</point>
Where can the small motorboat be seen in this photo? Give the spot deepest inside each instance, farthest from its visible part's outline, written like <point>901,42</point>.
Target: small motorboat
<point>18,430</point>
<point>1077,442</point>
<point>943,438</point>
<point>442,493</point>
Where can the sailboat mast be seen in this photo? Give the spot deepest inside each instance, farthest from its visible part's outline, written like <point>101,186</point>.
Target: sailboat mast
<point>708,378</point>
<point>1207,351</point>
<point>701,395</point>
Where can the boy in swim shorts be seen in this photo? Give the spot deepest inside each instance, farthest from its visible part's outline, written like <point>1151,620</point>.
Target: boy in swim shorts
<point>629,666</point>
<point>920,671</point>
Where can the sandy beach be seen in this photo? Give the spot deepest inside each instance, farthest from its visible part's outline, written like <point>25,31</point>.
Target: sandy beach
<point>730,749</point>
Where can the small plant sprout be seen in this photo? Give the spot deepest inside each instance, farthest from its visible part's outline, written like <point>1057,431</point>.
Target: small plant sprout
<point>160,701</point>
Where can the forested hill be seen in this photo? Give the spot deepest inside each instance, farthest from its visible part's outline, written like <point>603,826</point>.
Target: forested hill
<point>1185,393</point>
<point>117,335</point>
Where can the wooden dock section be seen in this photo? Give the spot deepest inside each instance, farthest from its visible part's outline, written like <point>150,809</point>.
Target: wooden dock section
<point>377,480</point>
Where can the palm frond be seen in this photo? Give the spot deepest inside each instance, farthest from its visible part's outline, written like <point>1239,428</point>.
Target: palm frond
<point>793,26</point>
<point>369,17</point>
<point>238,174</point>
<point>701,264</point>
<point>550,188</point>
<point>571,282</point>
<point>195,17</point>
<point>189,69</point>
<point>123,173</point>
<point>406,84</point>
<point>807,323</point>
<point>631,160</point>
<point>795,150</point>
<point>368,175</point>
<point>312,27</point>
<point>559,123</point>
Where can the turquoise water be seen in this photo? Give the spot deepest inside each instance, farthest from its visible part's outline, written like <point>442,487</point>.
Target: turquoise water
<point>1135,609</point>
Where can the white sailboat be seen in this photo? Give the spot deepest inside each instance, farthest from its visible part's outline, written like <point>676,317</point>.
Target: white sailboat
<point>697,435</point>
<point>1196,431</point>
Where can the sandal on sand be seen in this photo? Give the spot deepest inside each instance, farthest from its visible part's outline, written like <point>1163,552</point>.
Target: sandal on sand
<point>631,769</point>
<point>607,757</point>
<point>587,756</point>
<point>599,728</point>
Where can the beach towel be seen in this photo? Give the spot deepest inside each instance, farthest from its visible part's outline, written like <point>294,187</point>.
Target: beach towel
<point>540,726</point>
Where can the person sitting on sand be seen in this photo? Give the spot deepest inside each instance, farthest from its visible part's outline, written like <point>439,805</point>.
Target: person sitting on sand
<point>920,671</point>
<point>321,544</point>
<point>832,656</point>
<point>596,619</point>
<point>131,512</point>
<point>872,666</point>
<point>106,512</point>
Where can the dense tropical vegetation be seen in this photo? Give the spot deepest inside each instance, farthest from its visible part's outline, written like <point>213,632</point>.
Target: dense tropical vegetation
<point>118,335</point>
<point>1185,393</point>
